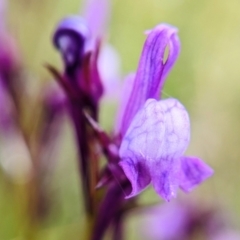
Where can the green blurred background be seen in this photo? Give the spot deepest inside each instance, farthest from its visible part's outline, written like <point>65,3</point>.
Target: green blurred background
<point>206,79</point>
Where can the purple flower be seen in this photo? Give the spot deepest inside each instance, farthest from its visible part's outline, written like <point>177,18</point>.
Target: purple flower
<point>168,221</point>
<point>187,220</point>
<point>97,14</point>
<point>228,234</point>
<point>155,134</point>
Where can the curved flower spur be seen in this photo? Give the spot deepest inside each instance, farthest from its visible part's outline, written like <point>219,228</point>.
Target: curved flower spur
<point>155,133</point>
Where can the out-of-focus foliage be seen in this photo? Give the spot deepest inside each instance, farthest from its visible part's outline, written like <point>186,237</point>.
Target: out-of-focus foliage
<point>206,79</point>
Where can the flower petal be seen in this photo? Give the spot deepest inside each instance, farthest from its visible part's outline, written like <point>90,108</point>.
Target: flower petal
<point>174,51</point>
<point>152,69</point>
<point>141,145</point>
<point>177,128</point>
<point>137,173</point>
<point>97,14</point>
<point>3,13</point>
<point>165,178</point>
<point>165,173</point>
<point>194,172</point>
<point>7,110</point>
<point>124,98</point>
<point>166,221</point>
<point>110,76</point>
<point>145,136</point>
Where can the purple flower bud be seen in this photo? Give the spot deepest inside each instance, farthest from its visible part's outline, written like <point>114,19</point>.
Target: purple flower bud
<point>70,38</point>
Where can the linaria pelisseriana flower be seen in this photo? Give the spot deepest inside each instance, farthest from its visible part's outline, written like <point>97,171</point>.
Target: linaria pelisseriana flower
<point>155,133</point>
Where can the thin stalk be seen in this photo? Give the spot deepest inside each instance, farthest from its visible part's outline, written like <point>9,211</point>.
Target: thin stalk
<point>118,227</point>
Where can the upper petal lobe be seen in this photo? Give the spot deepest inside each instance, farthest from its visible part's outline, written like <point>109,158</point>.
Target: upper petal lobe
<point>152,69</point>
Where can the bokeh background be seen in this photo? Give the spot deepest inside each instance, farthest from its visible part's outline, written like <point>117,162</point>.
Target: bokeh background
<point>206,79</point>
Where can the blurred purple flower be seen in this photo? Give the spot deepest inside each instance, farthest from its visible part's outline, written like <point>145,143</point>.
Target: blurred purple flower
<point>157,133</point>
<point>226,235</point>
<point>6,109</point>
<point>166,222</point>
<point>187,220</point>
<point>97,15</point>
